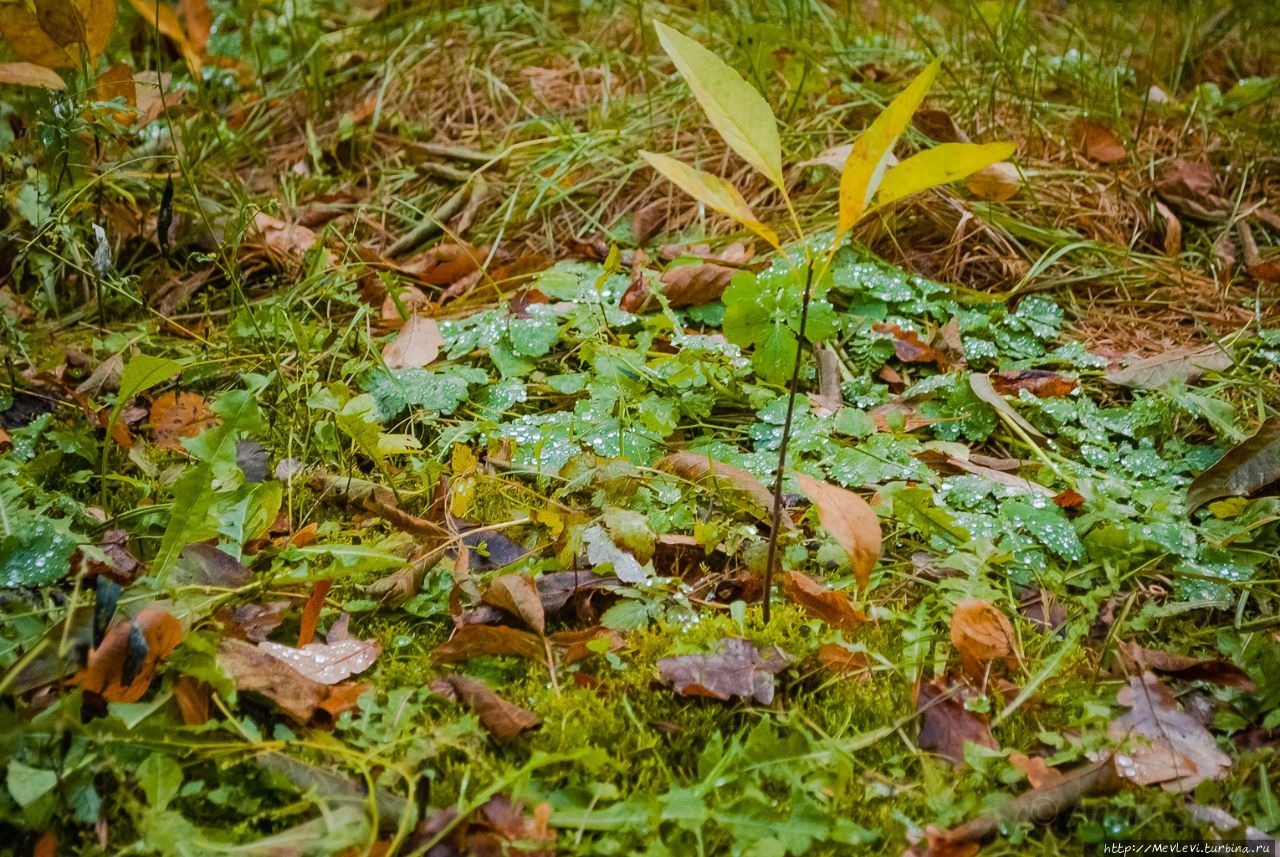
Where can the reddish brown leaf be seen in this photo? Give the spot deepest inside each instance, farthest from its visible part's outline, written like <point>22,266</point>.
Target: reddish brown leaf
<point>104,674</point>
<point>518,595</point>
<point>832,607</point>
<point>945,724</point>
<point>1096,141</point>
<point>1162,743</point>
<point>256,671</point>
<point>416,345</point>
<point>1068,499</point>
<point>504,719</point>
<point>907,344</point>
<point>980,632</point>
<point>690,285</point>
<point>573,646</point>
<point>193,698</point>
<point>498,829</point>
<point>739,670</point>
<point>1036,770</point>
<point>311,611</point>
<point>1135,658</point>
<point>197,19</point>
<point>850,520</point>
<point>116,82</point>
<point>177,415</point>
<point>341,697</point>
<point>444,264</point>
<point>1038,382</point>
<point>475,641</point>
<point>844,662</point>
<point>46,845</point>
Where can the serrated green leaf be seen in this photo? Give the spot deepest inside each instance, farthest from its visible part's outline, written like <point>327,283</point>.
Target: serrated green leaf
<point>865,168</point>
<point>733,106</point>
<point>938,166</point>
<point>711,190</point>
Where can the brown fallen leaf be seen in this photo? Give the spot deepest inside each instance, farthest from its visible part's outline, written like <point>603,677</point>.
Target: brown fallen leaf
<point>257,621</point>
<point>830,606</point>
<point>1136,659</point>
<point>416,345</point>
<point>444,264</point>
<point>1068,499</point>
<point>1172,242</point>
<point>121,669</point>
<point>1161,742</point>
<point>739,670</point>
<point>197,19</point>
<point>116,82</point>
<point>1096,141</point>
<point>573,646</point>
<point>329,662</point>
<point>907,344</point>
<point>692,284</point>
<point>286,244</point>
<point>844,662</point>
<point>176,415</point>
<point>1190,188</point>
<point>475,641</point>
<point>981,632</point>
<point>504,719</point>
<point>1184,364</point>
<point>311,610</point>
<point>650,220</point>
<point>167,23</point>
<point>193,697</point>
<point>1247,467</point>
<point>1038,382</point>
<point>1036,770</point>
<point>724,478</point>
<point>850,520</point>
<point>30,74</point>
<point>499,828</point>
<point>59,32</point>
<point>995,183</point>
<point>981,385</point>
<point>945,724</point>
<point>518,595</point>
<point>256,671</point>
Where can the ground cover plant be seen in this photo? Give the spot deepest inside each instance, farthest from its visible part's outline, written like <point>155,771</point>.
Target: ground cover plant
<point>622,428</point>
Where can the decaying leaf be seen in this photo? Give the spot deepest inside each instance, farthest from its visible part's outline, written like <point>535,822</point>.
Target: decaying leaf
<point>474,641</point>
<point>504,719</point>
<point>1137,659</point>
<point>724,478</point>
<point>945,724</point>
<point>692,284</point>
<point>1183,365</point>
<point>907,344</point>
<point>121,669</point>
<point>1190,188</point>
<point>286,243</point>
<point>499,827</point>
<point>1096,141</point>
<point>980,632</point>
<point>416,345</point>
<point>850,520</point>
<point>166,21</point>
<point>1249,466</point>
<point>739,670</point>
<point>175,415</point>
<point>1161,742</point>
<point>1038,382</point>
<point>830,606</point>
<point>518,595</point>
<point>257,621</point>
<point>329,662</point>
<point>255,670</point>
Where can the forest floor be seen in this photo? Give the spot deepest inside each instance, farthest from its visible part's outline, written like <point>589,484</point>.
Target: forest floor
<point>386,450</point>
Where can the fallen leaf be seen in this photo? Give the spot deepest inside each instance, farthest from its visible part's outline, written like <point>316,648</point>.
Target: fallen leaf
<point>121,669</point>
<point>1172,243</point>
<point>474,641</point>
<point>649,220</point>
<point>1096,141</point>
<point>1038,382</point>
<point>417,344</point>
<point>518,595</point>
<point>1249,466</point>
<point>1137,659</point>
<point>907,344</point>
<point>116,82</point>
<point>257,621</point>
<point>55,34</point>
<point>945,724</point>
<point>499,828</point>
<point>602,550</point>
<point>844,662</point>
<point>980,383</point>
<point>1185,365</point>
<point>739,670</point>
<point>175,415</point>
<point>1190,188</point>
<point>995,183</point>
<point>1000,477</point>
<point>341,697</point>
<point>30,74</point>
<point>328,662</point>
<point>1161,742</point>
<point>691,284</point>
<point>206,566</point>
<point>255,670</point>
<point>726,478</point>
<point>981,632</point>
<point>1068,499</point>
<point>166,22</point>
<point>444,264</point>
<point>288,244</point>
<point>504,719</point>
<point>193,697</point>
<point>1036,770</point>
<point>311,611</point>
<point>850,520</point>
<point>832,607</point>
<point>573,646</point>
<point>939,125</point>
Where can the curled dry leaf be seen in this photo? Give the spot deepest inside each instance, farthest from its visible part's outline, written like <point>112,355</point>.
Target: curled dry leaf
<point>832,607</point>
<point>1096,141</point>
<point>995,183</point>
<point>1137,659</point>
<point>499,827</point>
<point>907,344</point>
<point>1249,466</point>
<point>945,724</point>
<point>726,478</point>
<point>1172,242</point>
<point>850,520</point>
<point>1162,743</point>
<point>121,669</point>
<point>311,610</point>
<point>416,345</point>
<point>504,719</point>
<point>650,220</point>
<point>518,595</point>
<point>739,670</point>
<point>175,415</point>
<point>981,632</point>
<point>1038,382</point>
<point>1185,365</point>
<point>329,662</point>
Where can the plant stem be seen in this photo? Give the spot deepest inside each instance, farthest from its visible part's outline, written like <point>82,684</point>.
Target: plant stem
<point>786,440</point>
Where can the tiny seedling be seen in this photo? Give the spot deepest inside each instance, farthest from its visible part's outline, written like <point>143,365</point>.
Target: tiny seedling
<point>867,184</point>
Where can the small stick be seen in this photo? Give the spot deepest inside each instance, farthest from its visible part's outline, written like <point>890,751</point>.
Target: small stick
<point>433,223</point>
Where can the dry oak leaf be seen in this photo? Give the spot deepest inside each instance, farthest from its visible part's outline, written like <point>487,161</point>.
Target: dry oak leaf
<point>329,662</point>
<point>175,415</point>
<point>1162,743</point>
<point>504,719</point>
<point>30,74</point>
<point>981,632</point>
<point>109,671</point>
<point>444,264</point>
<point>850,520</point>
<point>945,724</point>
<point>830,606</point>
<point>738,670</point>
<point>699,468</point>
<point>1096,141</point>
<point>416,345</point>
<point>54,34</point>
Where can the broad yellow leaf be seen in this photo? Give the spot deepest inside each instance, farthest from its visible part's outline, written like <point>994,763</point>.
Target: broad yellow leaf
<point>940,165</point>
<point>735,108</point>
<point>867,162</point>
<point>165,20</point>
<point>710,190</point>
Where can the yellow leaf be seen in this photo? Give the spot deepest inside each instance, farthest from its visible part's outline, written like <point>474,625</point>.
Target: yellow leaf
<point>734,107</point>
<point>938,166</point>
<point>710,190</point>
<point>30,74</point>
<point>165,20</point>
<point>58,31</point>
<point>865,168</point>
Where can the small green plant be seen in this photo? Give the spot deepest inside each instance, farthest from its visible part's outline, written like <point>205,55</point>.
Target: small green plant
<point>758,311</point>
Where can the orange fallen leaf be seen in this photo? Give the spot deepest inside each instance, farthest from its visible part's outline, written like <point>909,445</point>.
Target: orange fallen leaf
<point>850,520</point>
<point>30,74</point>
<point>981,632</point>
<point>1097,141</point>
<point>105,672</point>
<point>830,606</point>
<point>311,611</point>
<point>995,183</point>
<point>175,415</point>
